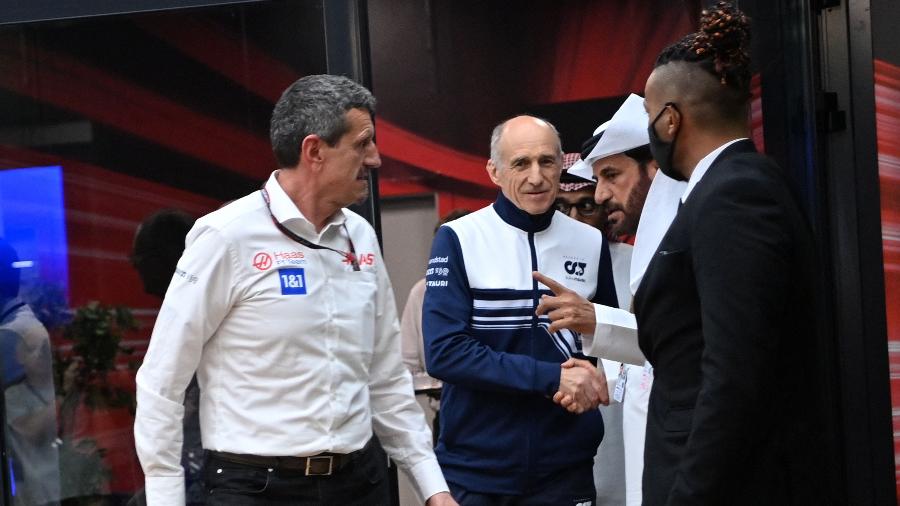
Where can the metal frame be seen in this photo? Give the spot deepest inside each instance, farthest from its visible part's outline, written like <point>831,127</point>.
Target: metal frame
<point>815,49</point>
<point>28,11</point>
<point>851,171</point>
<point>347,53</point>
<point>819,122</point>
<point>788,64</point>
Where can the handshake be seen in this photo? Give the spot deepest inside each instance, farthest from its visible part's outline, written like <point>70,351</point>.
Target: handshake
<point>582,386</point>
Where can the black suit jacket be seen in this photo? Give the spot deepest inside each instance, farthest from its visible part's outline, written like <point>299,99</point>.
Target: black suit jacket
<point>726,316</point>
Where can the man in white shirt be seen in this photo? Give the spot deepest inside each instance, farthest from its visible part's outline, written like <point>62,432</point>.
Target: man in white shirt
<point>29,407</point>
<point>619,159</point>
<point>282,305</point>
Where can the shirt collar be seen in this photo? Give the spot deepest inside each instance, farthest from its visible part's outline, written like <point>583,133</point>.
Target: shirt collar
<point>703,165</point>
<point>518,218</point>
<point>288,214</point>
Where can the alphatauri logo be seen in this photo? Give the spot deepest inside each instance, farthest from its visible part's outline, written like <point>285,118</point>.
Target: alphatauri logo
<point>575,268</point>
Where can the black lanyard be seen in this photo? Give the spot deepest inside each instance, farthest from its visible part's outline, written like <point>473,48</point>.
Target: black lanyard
<point>349,256</point>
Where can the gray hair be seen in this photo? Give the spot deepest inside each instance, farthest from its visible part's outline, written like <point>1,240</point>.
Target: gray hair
<point>497,134</point>
<point>314,105</point>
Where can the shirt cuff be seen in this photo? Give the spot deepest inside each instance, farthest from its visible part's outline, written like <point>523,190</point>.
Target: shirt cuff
<point>610,323</point>
<point>164,490</point>
<point>601,332</point>
<point>428,478</point>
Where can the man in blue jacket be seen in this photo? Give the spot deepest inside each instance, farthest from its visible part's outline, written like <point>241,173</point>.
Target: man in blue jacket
<point>503,440</point>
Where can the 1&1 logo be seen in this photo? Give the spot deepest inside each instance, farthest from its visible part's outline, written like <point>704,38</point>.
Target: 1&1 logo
<point>293,281</point>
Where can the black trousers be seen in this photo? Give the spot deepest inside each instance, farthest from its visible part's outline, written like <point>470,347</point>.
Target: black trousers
<point>363,482</point>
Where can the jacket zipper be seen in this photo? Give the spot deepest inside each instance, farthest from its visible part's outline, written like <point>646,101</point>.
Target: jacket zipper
<point>534,327</point>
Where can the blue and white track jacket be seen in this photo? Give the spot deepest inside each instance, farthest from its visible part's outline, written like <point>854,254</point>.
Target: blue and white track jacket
<point>500,430</point>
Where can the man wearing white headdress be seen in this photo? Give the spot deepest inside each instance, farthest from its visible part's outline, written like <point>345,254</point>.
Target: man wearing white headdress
<point>640,202</point>
<point>576,200</point>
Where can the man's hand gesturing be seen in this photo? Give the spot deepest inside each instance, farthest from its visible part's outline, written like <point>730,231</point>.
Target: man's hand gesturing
<point>566,309</point>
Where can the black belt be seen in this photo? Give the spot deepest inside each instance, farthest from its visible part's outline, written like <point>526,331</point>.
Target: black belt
<point>323,464</point>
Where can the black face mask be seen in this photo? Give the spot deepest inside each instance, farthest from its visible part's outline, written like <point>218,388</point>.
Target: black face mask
<point>663,151</point>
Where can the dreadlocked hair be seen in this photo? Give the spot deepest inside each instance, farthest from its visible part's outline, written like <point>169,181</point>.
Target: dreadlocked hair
<point>721,46</point>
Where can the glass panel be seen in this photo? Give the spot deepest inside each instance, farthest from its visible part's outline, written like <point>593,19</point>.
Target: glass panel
<point>105,122</point>
<point>886,49</point>
<point>446,72</point>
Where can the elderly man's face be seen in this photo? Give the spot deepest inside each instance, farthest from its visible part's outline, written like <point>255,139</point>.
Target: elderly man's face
<point>349,161</point>
<point>530,164</point>
<point>622,186</point>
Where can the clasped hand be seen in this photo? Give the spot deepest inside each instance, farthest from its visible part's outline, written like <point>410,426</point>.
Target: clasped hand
<point>581,386</point>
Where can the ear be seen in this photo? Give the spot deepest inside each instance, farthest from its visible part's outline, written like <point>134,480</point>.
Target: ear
<point>311,150</point>
<point>492,172</point>
<point>673,123</point>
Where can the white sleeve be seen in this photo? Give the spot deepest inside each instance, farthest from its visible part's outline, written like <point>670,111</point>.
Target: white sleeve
<point>611,371</point>
<point>200,295</point>
<point>397,417</point>
<point>615,336</point>
<point>411,334</point>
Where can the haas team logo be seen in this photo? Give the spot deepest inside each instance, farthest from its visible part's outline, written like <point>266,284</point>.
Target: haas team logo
<point>262,261</point>
<point>362,259</point>
<point>575,268</point>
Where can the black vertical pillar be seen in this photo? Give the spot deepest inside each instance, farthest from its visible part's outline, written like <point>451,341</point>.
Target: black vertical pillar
<point>846,120</point>
<point>814,58</point>
<point>815,63</point>
<point>347,53</point>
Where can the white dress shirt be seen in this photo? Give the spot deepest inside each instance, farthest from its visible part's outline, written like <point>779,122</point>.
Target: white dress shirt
<point>659,210</point>
<point>29,403</point>
<point>703,165</point>
<point>295,352</point>
<point>615,336</point>
<point>630,419</point>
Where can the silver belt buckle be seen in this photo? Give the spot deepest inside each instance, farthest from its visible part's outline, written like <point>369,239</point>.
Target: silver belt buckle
<point>309,461</point>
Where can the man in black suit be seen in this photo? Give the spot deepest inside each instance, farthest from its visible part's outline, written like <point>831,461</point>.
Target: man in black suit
<point>725,310</point>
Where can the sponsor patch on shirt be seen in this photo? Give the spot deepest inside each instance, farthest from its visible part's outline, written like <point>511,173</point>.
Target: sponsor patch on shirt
<point>293,281</point>
<point>437,271</point>
<point>364,259</point>
<point>289,258</point>
<point>190,278</point>
<point>574,267</point>
<point>262,261</point>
